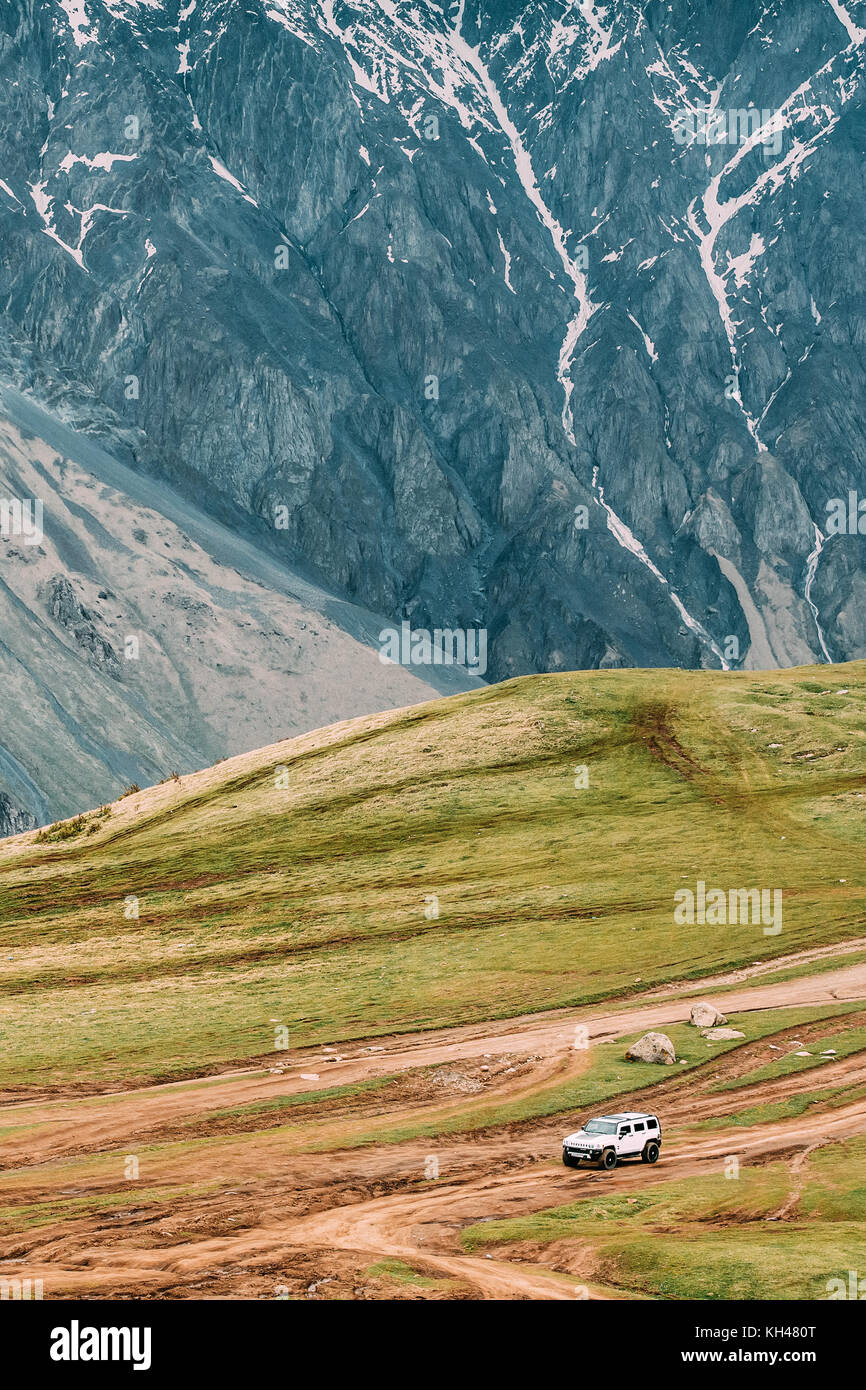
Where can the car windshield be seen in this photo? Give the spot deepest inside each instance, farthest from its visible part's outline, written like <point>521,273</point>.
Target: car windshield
<point>600,1127</point>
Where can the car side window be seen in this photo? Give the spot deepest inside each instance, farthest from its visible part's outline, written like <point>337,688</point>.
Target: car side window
<point>638,1129</point>
<point>652,1124</point>
<point>624,1129</point>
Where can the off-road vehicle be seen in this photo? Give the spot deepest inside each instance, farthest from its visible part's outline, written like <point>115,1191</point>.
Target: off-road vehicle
<point>607,1138</point>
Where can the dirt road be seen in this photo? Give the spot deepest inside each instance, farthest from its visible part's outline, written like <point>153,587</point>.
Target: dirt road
<point>246,1211</point>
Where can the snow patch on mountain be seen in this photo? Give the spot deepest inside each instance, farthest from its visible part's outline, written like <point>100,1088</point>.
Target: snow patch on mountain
<point>222,172</point>
<point>854,32</point>
<point>709,214</point>
<point>811,571</point>
<point>629,541</point>
<point>44,204</point>
<point>83,28</point>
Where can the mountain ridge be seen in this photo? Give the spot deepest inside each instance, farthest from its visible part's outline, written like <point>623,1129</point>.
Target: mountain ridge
<point>447,291</point>
<point>143,638</point>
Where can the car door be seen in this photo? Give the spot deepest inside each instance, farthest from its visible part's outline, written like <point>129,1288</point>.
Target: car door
<point>630,1143</point>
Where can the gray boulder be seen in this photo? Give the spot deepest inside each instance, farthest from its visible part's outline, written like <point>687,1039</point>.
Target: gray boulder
<point>652,1047</point>
<point>704,1015</point>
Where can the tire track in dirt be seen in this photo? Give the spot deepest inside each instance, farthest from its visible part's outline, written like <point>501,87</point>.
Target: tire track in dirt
<point>329,1201</point>
<point>68,1125</point>
<point>418,1225</point>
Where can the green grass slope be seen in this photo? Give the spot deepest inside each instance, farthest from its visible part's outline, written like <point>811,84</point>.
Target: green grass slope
<point>706,1238</point>
<point>305,899</point>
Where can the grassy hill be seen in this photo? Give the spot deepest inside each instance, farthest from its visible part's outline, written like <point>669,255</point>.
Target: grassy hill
<point>723,1247</point>
<point>307,898</point>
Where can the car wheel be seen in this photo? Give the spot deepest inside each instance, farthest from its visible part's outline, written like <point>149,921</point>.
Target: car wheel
<point>651,1153</point>
<point>570,1162</point>
<point>608,1159</point>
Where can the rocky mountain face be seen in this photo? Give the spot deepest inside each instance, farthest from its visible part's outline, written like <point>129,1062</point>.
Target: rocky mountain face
<point>140,638</point>
<point>12,819</point>
<point>544,317</point>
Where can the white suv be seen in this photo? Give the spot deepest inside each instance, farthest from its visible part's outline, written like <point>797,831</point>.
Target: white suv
<point>607,1138</point>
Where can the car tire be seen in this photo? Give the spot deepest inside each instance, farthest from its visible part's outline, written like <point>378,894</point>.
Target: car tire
<point>651,1152</point>
<point>570,1162</point>
<point>608,1159</point>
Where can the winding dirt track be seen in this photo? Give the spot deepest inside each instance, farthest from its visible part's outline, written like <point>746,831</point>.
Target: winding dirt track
<point>240,1213</point>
